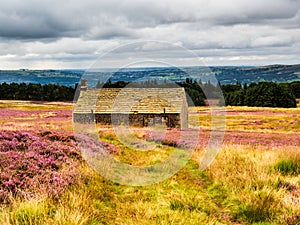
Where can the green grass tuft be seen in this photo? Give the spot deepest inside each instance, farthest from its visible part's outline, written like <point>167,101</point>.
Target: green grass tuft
<point>262,207</point>
<point>287,167</point>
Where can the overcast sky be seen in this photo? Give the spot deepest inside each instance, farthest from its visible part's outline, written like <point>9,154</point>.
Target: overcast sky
<point>45,34</point>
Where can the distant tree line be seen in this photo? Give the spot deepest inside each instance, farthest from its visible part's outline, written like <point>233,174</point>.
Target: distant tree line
<point>295,86</point>
<point>38,92</point>
<point>263,94</point>
<point>193,89</point>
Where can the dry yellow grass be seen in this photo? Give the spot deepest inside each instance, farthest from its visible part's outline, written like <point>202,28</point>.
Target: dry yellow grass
<point>268,120</point>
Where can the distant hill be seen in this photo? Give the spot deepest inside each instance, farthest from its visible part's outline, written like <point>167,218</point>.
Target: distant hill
<point>61,77</point>
<point>275,73</point>
<point>224,74</point>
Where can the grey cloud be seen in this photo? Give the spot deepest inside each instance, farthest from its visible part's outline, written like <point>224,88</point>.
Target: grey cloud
<point>38,19</point>
<point>257,12</point>
<point>32,27</point>
<point>109,32</point>
<point>50,19</point>
<point>73,29</point>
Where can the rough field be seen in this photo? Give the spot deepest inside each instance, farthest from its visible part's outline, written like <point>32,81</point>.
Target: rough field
<point>255,178</point>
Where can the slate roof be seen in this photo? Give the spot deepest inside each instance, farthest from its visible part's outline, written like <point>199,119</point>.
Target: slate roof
<point>131,100</point>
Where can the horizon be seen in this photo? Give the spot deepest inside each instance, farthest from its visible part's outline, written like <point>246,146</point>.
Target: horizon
<point>146,67</point>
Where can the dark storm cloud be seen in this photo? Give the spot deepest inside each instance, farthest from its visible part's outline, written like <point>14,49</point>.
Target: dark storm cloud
<point>29,28</point>
<point>48,19</point>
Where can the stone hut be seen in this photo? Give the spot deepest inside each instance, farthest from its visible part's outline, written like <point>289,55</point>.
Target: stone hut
<point>140,107</point>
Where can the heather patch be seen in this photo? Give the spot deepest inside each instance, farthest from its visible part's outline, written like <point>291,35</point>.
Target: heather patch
<point>188,138</point>
<point>16,119</point>
<point>31,163</point>
<point>185,138</point>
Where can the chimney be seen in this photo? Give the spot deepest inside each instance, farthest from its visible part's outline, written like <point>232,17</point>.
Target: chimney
<point>83,84</point>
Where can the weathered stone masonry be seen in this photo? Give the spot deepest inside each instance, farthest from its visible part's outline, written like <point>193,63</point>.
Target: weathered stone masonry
<point>138,120</point>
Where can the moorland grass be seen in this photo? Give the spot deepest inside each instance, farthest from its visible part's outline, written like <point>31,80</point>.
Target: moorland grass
<point>35,105</point>
<point>237,188</point>
<point>246,184</point>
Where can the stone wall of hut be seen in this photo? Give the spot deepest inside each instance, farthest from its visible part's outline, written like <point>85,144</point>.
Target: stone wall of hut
<point>136,120</point>
<point>184,118</point>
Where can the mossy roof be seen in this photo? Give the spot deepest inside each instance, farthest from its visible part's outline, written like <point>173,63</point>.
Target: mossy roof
<point>131,100</point>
